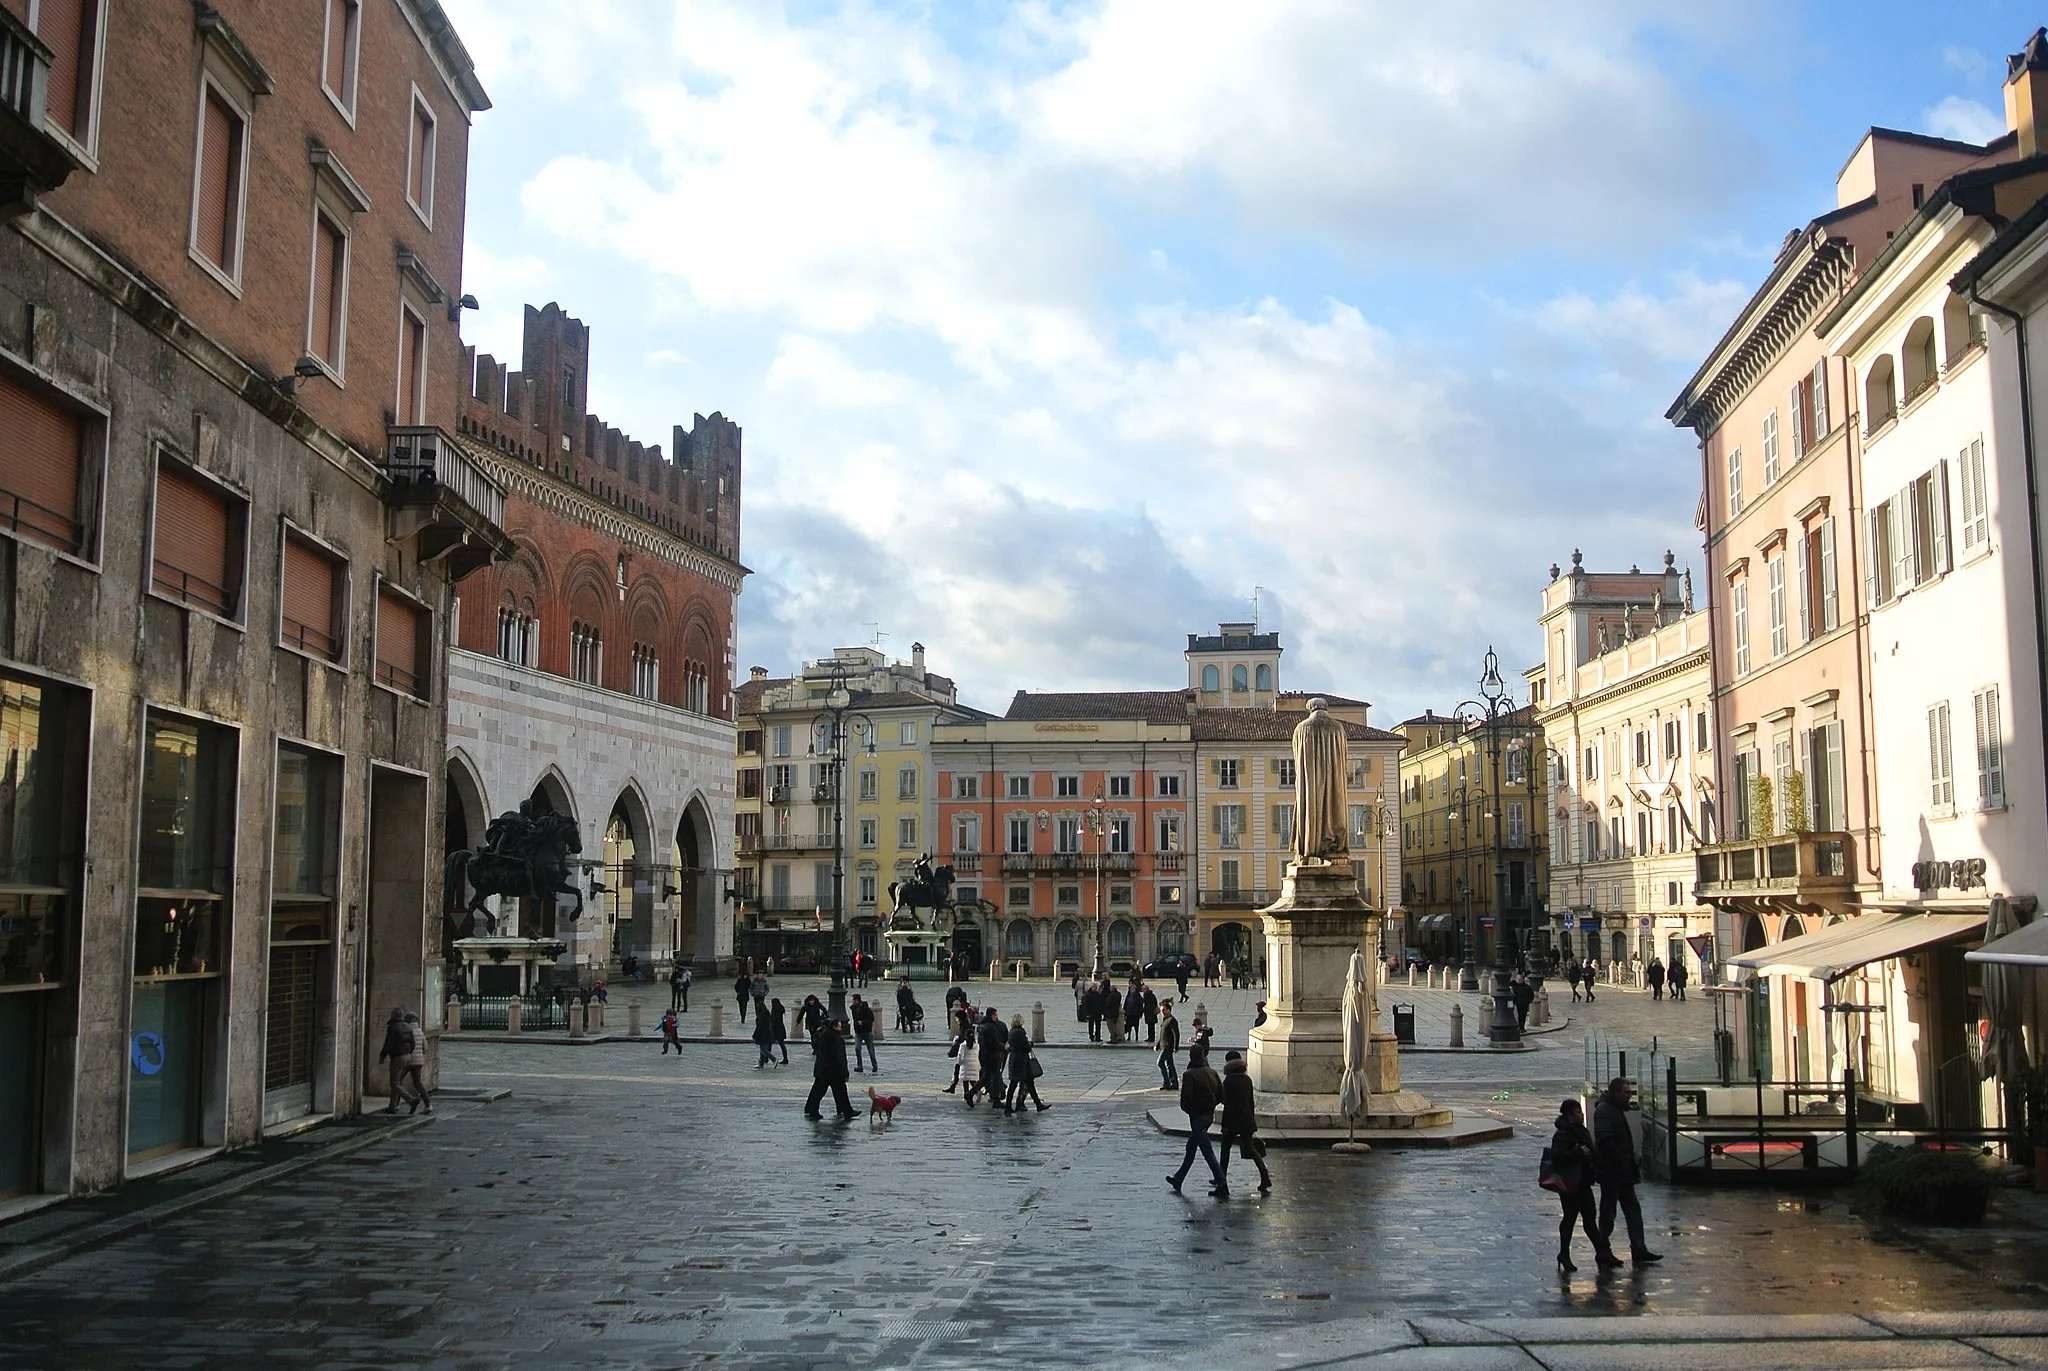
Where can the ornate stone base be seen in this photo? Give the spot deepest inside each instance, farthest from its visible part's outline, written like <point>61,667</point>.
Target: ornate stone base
<point>1297,1055</point>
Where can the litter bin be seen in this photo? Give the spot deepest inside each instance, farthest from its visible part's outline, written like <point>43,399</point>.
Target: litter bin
<point>1404,1023</point>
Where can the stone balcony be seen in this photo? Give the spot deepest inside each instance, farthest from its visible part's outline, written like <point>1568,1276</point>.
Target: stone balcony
<point>1791,871</point>
<point>33,161</point>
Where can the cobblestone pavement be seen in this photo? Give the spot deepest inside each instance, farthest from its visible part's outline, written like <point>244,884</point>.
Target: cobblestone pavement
<point>626,1209</point>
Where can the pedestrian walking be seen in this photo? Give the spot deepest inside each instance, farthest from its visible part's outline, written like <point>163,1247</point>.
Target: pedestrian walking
<point>1589,973</point>
<point>1150,1009</point>
<point>1614,1151</point>
<point>669,1026</point>
<point>1169,1044</point>
<point>743,991</point>
<point>966,1056</point>
<point>1024,1069</point>
<point>759,990</point>
<point>1524,995</point>
<point>779,1025</point>
<point>397,1046</point>
<point>1240,1123</point>
<point>828,1071</point>
<point>1655,976</point>
<point>863,1016</point>
<point>1201,1090</point>
<point>415,1066</point>
<point>764,1038</point>
<point>992,1044</point>
<point>1180,980</point>
<point>679,979</point>
<point>1569,1168</point>
<point>1679,976</point>
<point>811,1015</point>
<point>1091,1011</point>
<point>1571,978</point>
<point>1199,1036</point>
<point>906,999</point>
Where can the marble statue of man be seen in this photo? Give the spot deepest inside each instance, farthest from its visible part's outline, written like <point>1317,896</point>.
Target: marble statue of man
<point>1321,758</point>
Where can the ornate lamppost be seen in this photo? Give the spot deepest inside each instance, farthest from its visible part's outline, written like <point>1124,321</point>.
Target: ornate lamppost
<point>832,737</point>
<point>1488,711</point>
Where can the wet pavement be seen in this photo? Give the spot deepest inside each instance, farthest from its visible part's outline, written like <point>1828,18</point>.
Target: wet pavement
<point>625,1209</point>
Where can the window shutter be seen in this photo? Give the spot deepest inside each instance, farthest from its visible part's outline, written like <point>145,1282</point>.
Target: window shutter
<point>65,25</point>
<point>1215,767</point>
<point>1994,751</point>
<point>309,600</point>
<point>1871,526</point>
<point>41,451</point>
<point>421,170</point>
<point>1804,572</point>
<point>1798,408</point>
<point>192,548</point>
<point>398,644</point>
<point>1938,511</point>
<point>220,173</point>
<point>1830,614</point>
<point>412,341</point>
<point>329,257</point>
<point>1820,399</point>
<point>1900,530</point>
<point>1977,703</point>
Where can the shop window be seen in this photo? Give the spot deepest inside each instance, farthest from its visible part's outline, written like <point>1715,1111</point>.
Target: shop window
<point>304,870</point>
<point>313,605</point>
<point>196,552</point>
<point>402,649</point>
<point>48,462</point>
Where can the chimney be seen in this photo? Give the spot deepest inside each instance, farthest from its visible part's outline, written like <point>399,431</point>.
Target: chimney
<point>757,673</point>
<point>917,661</point>
<point>2026,93</point>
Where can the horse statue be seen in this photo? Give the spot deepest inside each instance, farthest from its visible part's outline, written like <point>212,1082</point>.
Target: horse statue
<point>525,855</point>
<point>927,888</point>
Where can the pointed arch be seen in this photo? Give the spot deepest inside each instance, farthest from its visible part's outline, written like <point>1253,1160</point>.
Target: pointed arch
<point>553,787</point>
<point>466,788</point>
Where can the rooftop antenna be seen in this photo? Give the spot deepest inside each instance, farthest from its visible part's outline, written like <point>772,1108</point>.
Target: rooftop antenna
<point>1257,623</point>
<point>876,635</point>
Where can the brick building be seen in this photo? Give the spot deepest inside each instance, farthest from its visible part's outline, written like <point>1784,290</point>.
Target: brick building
<point>234,232</point>
<point>594,667</point>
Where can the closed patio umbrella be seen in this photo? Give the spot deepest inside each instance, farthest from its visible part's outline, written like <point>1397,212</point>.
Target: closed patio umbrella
<point>2005,1047</point>
<point>1351,1091</point>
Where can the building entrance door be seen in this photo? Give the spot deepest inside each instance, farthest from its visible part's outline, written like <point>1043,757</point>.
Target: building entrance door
<point>292,1020</point>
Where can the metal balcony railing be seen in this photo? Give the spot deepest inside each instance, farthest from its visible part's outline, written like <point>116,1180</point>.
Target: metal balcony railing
<point>1068,863</point>
<point>423,457</point>
<point>1236,897</point>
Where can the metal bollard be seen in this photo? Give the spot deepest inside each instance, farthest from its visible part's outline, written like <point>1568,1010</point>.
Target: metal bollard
<point>1457,1026</point>
<point>717,1020</point>
<point>633,1018</point>
<point>451,1016</point>
<point>511,1016</point>
<point>1038,1021</point>
<point>575,1018</point>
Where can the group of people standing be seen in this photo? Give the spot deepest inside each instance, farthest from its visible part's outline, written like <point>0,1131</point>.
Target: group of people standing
<point>1108,1013</point>
<point>991,1060</point>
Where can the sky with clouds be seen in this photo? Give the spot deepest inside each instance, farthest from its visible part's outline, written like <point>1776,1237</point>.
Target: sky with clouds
<point>1061,330</point>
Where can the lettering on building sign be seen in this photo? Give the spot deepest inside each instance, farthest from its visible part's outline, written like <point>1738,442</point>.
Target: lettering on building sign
<point>1067,728</point>
<point>1963,874</point>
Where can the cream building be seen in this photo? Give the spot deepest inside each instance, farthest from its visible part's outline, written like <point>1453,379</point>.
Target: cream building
<point>1623,697</point>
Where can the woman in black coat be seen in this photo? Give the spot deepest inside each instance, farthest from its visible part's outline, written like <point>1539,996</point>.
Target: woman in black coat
<point>781,1022</point>
<point>1571,1162</point>
<point>1021,1081</point>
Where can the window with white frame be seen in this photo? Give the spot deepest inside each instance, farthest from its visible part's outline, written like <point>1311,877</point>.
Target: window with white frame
<point>906,832</point>
<point>1734,482</point>
<point>586,654</point>
<point>518,637</point>
<point>1738,628</point>
<point>327,296</point>
<point>866,883</point>
<point>1117,833</point>
<point>967,833</point>
<point>906,783</point>
<point>1360,817</point>
<point>339,53</point>
<point>1226,773</point>
<point>1360,774</point>
<point>419,159</point>
<point>1941,796</point>
<point>220,177</point>
<point>75,33</point>
<point>778,740</point>
<point>870,829</point>
<point>1774,580</point>
<point>1119,787</point>
<point>1066,834</point>
<point>1700,741</point>
<point>1770,445</point>
<point>1908,537</point>
<point>966,787</point>
<point>1169,786</point>
<point>1020,833</point>
<point>646,672</point>
<point>1645,837</point>
<point>1228,821</point>
<point>1283,772</point>
<point>1990,749</point>
<point>412,365</point>
<point>1641,742</point>
<point>1019,787</point>
<point>1066,787</point>
<point>1518,766</point>
<point>1283,825</point>
<point>1976,510</point>
<point>1169,832</point>
<point>870,783</point>
<point>1231,871</point>
<point>906,732</point>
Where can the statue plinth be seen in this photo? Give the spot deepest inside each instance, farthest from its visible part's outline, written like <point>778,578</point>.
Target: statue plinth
<point>1297,1055</point>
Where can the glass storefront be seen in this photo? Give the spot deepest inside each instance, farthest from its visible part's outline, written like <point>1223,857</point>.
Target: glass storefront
<point>301,929</point>
<point>183,878</point>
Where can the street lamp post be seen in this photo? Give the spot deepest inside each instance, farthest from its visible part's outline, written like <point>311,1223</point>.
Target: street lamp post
<point>1094,825</point>
<point>838,707</point>
<point>1492,705</point>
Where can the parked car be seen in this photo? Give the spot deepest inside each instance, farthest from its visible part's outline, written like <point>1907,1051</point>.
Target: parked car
<point>1170,964</point>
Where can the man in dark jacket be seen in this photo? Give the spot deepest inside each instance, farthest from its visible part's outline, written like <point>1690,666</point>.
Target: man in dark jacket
<point>1091,1010</point>
<point>397,1046</point>
<point>863,1015</point>
<point>1678,977</point>
<point>1240,1119</point>
<point>828,1071</point>
<point>1150,1008</point>
<point>1614,1152</point>
<point>1180,981</point>
<point>1201,1090</point>
<point>1655,977</point>
<point>1524,995</point>
<point>743,991</point>
<point>992,1045</point>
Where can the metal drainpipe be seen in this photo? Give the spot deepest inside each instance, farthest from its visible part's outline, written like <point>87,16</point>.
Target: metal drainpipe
<point>2019,325</point>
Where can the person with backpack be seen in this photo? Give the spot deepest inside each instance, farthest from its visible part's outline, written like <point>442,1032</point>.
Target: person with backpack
<point>1569,1168</point>
<point>1201,1090</point>
<point>863,1015</point>
<point>669,1026</point>
<point>1240,1121</point>
<point>397,1044</point>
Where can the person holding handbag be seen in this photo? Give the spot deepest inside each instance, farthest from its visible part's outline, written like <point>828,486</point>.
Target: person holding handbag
<point>967,1064</point>
<point>1241,1120</point>
<point>1569,1169</point>
<point>1024,1069</point>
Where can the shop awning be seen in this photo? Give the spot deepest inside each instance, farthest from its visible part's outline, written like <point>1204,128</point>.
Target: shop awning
<point>2027,947</point>
<point>1835,952</point>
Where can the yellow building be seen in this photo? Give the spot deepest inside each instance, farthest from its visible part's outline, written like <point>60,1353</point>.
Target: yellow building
<point>1473,834</point>
<point>790,826</point>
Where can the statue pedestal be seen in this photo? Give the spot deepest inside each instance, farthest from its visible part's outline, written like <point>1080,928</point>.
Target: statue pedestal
<point>1297,1055</point>
<point>505,967</point>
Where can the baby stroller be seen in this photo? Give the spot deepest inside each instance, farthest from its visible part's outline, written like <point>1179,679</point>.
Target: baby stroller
<point>909,1013</point>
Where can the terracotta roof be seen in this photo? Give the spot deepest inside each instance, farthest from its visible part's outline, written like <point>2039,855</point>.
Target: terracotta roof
<point>747,698</point>
<point>1336,701</point>
<point>1150,706</point>
<point>1263,725</point>
<point>1524,714</point>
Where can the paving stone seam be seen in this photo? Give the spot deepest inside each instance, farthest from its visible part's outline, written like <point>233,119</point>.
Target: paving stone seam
<point>113,1230</point>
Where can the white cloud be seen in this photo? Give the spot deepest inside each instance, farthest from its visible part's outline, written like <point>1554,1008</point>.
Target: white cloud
<point>1956,117</point>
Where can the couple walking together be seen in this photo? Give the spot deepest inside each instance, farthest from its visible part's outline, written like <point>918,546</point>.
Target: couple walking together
<point>1201,1090</point>
<point>1576,1159</point>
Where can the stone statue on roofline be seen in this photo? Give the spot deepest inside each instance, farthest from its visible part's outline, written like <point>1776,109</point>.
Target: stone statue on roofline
<point>1321,759</point>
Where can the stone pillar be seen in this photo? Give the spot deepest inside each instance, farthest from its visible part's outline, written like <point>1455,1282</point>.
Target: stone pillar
<point>512,1011</point>
<point>575,1018</point>
<point>451,1016</point>
<point>1038,1021</point>
<point>717,1019</point>
<point>633,1018</point>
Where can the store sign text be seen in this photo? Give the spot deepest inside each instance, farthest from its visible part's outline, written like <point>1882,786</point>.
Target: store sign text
<point>1963,874</point>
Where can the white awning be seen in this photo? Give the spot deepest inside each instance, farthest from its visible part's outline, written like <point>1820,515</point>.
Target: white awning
<point>1835,952</point>
<point>2026,947</point>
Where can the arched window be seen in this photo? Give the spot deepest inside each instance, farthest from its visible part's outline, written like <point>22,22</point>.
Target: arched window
<point>1123,939</point>
<point>1922,370</point>
<point>1066,940</point>
<point>1961,329</point>
<point>1880,394</point>
<point>1212,680</point>
<point>1173,936</point>
<point>1238,679</point>
<point>1017,939</point>
<point>1264,677</point>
